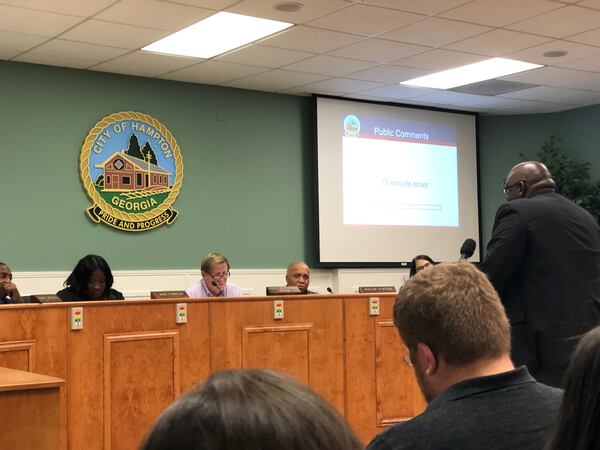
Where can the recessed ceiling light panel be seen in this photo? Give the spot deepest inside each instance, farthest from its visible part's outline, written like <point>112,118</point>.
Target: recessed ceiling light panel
<point>471,73</point>
<point>216,34</point>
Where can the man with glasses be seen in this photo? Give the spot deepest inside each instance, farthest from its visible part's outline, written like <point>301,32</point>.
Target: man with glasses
<point>298,274</point>
<point>214,269</point>
<point>8,290</point>
<point>544,261</point>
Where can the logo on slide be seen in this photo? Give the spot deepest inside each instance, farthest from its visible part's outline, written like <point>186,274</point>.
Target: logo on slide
<point>352,125</point>
<point>131,168</point>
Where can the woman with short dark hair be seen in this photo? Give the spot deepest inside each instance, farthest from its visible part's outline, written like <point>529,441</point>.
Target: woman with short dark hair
<point>91,279</point>
<point>419,263</point>
<point>578,426</point>
<point>251,410</point>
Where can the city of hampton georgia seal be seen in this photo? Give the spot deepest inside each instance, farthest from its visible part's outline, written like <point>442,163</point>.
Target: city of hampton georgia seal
<point>131,168</point>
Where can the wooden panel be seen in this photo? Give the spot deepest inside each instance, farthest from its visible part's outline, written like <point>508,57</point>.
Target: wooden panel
<point>141,378</point>
<point>285,348</point>
<point>42,330</point>
<point>373,371</point>
<point>395,381</point>
<point>230,320</point>
<point>29,410</point>
<point>100,390</point>
<point>19,355</point>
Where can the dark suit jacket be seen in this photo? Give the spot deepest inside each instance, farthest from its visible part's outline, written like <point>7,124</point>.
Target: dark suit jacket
<point>544,261</point>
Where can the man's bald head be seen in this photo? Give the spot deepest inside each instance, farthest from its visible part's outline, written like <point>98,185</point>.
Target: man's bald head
<point>527,179</point>
<point>298,274</point>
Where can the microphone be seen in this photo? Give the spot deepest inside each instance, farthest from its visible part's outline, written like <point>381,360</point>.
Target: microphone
<point>329,290</point>
<point>467,249</point>
<point>214,283</point>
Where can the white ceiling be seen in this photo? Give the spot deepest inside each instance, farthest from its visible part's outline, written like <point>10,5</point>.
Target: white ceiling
<point>358,49</point>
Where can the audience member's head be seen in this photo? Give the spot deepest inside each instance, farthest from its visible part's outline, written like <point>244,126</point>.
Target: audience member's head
<point>420,263</point>
<point>215,272</point>
<point>527,179</point>
<point>298,274</point>
<point>8,290</point>
<point>578,425</point>
<point>251,410</point>
<point>454,326</point>
<point>91,278</point>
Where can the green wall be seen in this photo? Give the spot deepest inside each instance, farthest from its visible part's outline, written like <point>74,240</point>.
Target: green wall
<point>247,188</point>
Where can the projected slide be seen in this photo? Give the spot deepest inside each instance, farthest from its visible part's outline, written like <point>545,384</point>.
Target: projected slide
<point>399,172</point>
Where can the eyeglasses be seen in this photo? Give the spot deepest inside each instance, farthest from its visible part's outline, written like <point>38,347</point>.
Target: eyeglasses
<point>423,267</point>
<point>505,188</point>
<point>220,275</point>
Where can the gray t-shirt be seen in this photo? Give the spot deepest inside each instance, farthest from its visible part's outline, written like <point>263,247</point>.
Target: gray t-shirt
<point>509,410</point>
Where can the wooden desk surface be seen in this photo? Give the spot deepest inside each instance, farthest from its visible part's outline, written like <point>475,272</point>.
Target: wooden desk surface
<point>18,380</point>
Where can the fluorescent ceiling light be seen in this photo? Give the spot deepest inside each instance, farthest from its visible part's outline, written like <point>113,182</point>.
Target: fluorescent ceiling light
<point>471,73</point>
<point>216,34</point>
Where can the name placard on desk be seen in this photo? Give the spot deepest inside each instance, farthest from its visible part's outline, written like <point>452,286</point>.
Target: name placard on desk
<point>161,295</point>
<point>376,289</point>
<point>283,290</point>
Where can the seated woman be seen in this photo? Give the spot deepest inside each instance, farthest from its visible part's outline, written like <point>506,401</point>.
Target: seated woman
<point>578,426</point>
<point>91,279</point>
<point>419,263</point>
<point>251,410</point>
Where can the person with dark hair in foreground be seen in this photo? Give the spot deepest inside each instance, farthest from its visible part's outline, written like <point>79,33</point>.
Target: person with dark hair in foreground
<point>578,425</point>
<point>544,260</point>
<point>8,290</point>
<point>91,279</point>
<point>251,410</point>
<point>420,263</point>
<point>458,339</point>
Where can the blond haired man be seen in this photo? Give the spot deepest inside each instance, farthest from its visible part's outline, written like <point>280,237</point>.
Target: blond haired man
<point>214,269</point>
<point>458,337</point>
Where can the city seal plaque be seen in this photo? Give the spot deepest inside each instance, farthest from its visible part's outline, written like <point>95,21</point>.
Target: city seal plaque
<point>131,167</point>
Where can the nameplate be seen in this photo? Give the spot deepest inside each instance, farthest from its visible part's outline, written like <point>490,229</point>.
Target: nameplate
<point>376,289</point>
<point>161,295</point>
<point>283,290</point>
<point>44,298</point>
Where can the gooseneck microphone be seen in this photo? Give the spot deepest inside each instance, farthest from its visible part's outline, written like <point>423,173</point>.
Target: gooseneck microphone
<point>467,249</point>
<point>214,283</point>
<point>329,290</point>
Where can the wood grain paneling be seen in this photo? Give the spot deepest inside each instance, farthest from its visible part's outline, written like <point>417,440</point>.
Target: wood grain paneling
<point>141,378</point>
<point>19,355</point>
<point>376,374</point>
<point>323,345</point>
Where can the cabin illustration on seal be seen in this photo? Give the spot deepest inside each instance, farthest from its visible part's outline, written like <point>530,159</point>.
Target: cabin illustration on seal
<point>125,171</point>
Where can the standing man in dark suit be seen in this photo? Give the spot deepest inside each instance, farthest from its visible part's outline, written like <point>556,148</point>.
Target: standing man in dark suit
<point>544,261</point>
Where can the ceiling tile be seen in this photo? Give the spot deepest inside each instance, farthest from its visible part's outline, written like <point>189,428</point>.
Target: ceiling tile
<point>365,20</point>
<point>329,65</point>
<point>558,77</point>
<point>386,73</point>
<point>213,72</point>
<point>580,98</point>
<point>113,34</point>
<point>378,50</point>
<point>532,107</point>
<point>589,37</point>
<point>266,8</point>
<point>73,54</point>
<point>29,21</point>
<point>311,39</point>
<point>498,13</point>
<point>275,80</point>
<point>427,7</point>
<point>590,3</point>
<point>343,85</point>
<point>538,93</point>
<point>435,32</point>
<point>497,43</point>
<point>210,4</point>
<point>144,64</point>
<point>85,8</point>
<point>536,54</point>
<point>264,56</point>
<point>11,44</point>
<point>589,64</point>
<point>465,100</point>
<point>396,91</point>
<point>154,14</point>
<point>439,60</point>
<point>560,23</point>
